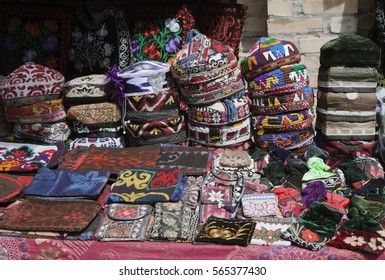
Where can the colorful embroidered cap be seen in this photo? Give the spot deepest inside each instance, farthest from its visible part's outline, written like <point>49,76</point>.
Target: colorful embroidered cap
<point>283,122</point>
<point>39,112</point>
<point>221,112</point>
<point>31,80</point>
<point>172,130</point>
<point>43,132</point>
<point>288,78</point>
<point>222,135</point>
<point>350,50</point>
<point>268,54</point>
<point>347,79</point>
<point>202,59</point>
<point>288,140</point>
<point>275,104</point>
<point>87,89</point>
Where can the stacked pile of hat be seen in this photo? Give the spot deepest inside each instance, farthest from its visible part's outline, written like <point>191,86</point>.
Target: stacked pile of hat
<point>94,119</point>
<point>282,100</point>
<point>346,98</point>
<point>211,85</point>
<point>150,103</point>
<point>33,104</point>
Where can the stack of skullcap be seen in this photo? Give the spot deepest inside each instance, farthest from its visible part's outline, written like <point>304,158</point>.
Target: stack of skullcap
<point>151,104</point>
<point>346,98</point>
<point>211,84</point>
<point>282,100</point>
<point>33,104</point>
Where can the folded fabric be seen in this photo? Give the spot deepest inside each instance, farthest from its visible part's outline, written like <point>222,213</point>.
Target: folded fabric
<point>372,190</point>
<point>42,132</point>
<point>29,81</point>
<point>108,142</point>
<point>173,222</point>
<point>268,54</point>
<point>295,170</point>
<point>317,169</point>
<point>24,157</point>
<point>39,112</point>
<point>347,79</point>
<point>222,112</point>
<point>220,136</point>
<point>123,222</point>
<point>12,185</point>
<point>62,183</point>
<point>255,184</point>
<point>337,201</point>
<point>113,160</point>
<point>207,210</point>
<point>268,231</point>
<point>93,88</point>
<point>354,176</point>
<point>147,186</point>
<point>371,166</point>
<point>35,214</point>
<point>226,231</point>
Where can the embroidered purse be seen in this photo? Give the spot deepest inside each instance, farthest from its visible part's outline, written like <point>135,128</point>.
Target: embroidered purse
<point>173,222</point>
<point>123,222</point>
<point>226,231</point>
<point>147,186</point>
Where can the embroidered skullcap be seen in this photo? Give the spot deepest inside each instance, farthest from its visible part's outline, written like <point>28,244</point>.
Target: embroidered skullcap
<point>268,54</point>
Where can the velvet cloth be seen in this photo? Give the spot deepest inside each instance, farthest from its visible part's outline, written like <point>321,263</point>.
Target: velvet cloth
<point>226,231</point>
<point>147,186</point>
<point>350,50</point>
<point>315,191</point>
<point>62,183</point>
<point>12,185</point>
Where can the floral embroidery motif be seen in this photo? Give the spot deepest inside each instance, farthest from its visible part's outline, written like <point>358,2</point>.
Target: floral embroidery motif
<point>157,39</point>
<point>355,241</point>
<point>309,235</point>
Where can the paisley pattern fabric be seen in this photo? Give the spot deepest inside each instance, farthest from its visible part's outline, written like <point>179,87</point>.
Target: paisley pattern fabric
<point>62,183</point>
<point>173,221</point>
<point>26,157</point>
<point>147,186</point>
<point>36,214</point>
<point>226,231</point>
<point>124,222</point>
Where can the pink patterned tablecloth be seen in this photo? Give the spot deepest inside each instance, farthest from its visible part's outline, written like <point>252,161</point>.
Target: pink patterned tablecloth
<point>13,248</point>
